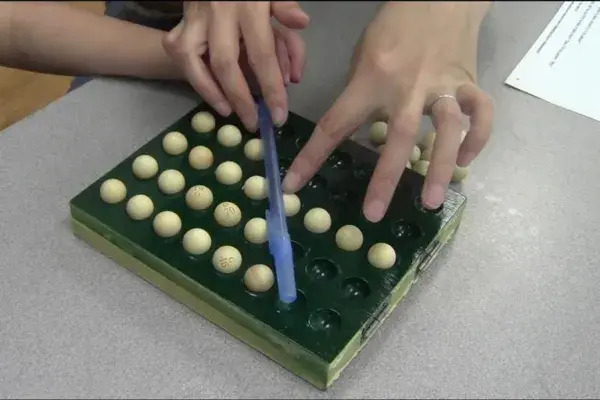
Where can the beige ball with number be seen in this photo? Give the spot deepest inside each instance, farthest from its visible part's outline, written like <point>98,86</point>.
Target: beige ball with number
<point>255,231</point>
<point>166,224</point>
<point>196,241</point>
<point>113,191</point>
<point>227,259</point>
<point>291,204</point>
<point>200,158</point>
<point>259,278</point>
<point>203,122</point>
<point>255,188</point>
<point>139,207</point>
<point>171,181</point>
<point>349,238</point>
<point>174,143</point>
<point>317,220</point>
<point>199,197</point>
<point>415,155</point>
<point>382,256</point>
<point>378,133</point>
<point>229,136</point>
<point>228,173</point>
<point>253,149</point>
<point>227,214</point>
<point>144,167</point>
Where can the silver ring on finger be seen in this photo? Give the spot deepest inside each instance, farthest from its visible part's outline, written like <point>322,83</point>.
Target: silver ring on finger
<point>440,97</point>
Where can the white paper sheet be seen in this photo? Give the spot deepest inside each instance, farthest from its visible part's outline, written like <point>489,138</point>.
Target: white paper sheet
<point>563,66</point>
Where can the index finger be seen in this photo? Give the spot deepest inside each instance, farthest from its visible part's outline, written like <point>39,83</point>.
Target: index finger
<point>402,130</point>
<point>259,39</point>
<point>346,115</point>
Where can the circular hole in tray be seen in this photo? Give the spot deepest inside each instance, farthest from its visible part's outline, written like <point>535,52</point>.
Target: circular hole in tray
<point>355,289</point>
<point>298,251</point>
<point>325,320</point>
<point>343,196</point>
<point>340,159</point>
<point>363,172</point>
<point>420,207</point>
<point>317,182</point>
<point>405,230</point>
<point>321,269</point>
<point>298,305</point>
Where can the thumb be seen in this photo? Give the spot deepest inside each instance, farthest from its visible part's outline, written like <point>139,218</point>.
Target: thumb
<point>289,14</point>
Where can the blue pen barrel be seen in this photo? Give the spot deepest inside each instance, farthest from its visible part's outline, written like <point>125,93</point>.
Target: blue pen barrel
<point>280,245</point>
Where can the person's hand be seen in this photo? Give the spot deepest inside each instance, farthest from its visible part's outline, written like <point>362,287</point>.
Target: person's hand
<point>273,54</point>
<point>410,54</point>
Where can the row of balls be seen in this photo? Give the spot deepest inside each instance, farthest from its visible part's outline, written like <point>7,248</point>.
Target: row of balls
<point>167,224</point>
<point>175,143</point>
<point>421,153</point>
<point>228,259</point>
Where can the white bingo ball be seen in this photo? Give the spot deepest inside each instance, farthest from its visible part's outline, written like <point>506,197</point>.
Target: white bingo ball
<point>378,133</point>
<point>426,154</point>
<point>227,214</point>
<point>382,256</point>
<point>171,181</point>
<point>227,259</point>
<point>196,241</point>
<point>229,136</point>
<point>317,220</point>
<point>460,173</point>
<point>113,191</point>
<point>203,122</point>
<point>200,158</point>
<point>291,204</point>
<point>428,140</point>
<point>174,143</point>
<point>421,167</point>
<point>199,198</point>
<point>228,173</point>
<point>144,166</point>
<point>166,224</point>
<point>140,207</point>
<point>259,278</point>
<point>255,188</point>
<point>349,238</point>
<point>255,231</point>
<point>415,155</point>
<point>254,149</point>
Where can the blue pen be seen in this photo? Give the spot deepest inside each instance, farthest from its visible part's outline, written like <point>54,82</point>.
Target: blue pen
<point>280,245</point>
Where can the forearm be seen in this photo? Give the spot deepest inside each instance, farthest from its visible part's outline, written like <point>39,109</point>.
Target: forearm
<point>54,37</point>
<point>421,11</point>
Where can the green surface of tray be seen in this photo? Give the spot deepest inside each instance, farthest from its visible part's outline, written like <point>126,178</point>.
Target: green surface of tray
<point>342,299</point>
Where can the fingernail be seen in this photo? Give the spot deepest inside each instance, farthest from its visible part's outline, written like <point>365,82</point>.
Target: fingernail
<point>433,196</point>
<point>286,78</point>
<point>279,116</point>
<point>223,108</point>
<point>290,182</point>
<point>466,159</point>
<point>374,210</point>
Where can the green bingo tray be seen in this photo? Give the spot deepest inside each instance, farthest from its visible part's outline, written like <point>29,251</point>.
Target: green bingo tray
<point>342,298</point>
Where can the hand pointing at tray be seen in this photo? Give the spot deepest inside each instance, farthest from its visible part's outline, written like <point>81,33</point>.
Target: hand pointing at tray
<point>275,54</point>
<point>414,58</point>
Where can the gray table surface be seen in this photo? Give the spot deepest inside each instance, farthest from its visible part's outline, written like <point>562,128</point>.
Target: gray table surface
<point>510,310</point>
